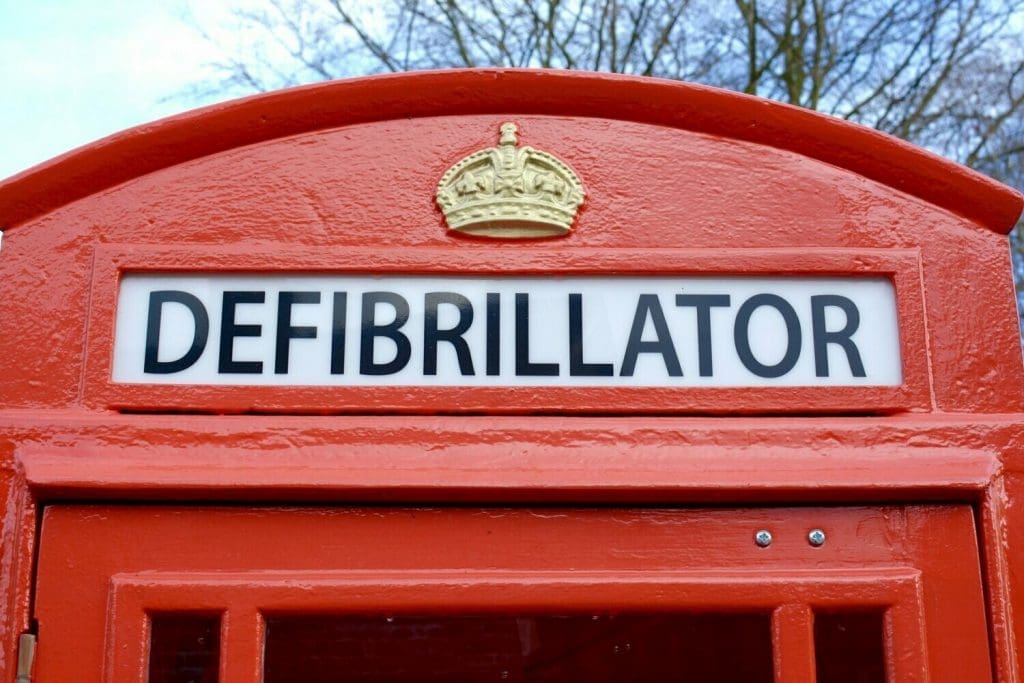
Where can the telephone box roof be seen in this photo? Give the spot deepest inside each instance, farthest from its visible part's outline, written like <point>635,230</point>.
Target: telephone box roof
<point>260,118</point>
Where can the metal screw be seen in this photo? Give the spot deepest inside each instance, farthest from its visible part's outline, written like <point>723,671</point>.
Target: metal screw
<point>816,537</point>
<point>763,538</point>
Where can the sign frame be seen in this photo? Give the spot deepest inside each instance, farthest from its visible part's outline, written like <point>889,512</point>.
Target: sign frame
<point>111,262</point>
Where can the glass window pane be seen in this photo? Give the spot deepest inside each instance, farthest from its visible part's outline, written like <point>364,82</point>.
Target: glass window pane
<point>184,648</point>
<point>623,648</point>
<point>849,647</point>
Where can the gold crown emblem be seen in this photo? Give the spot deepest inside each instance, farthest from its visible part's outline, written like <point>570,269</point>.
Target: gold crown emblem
<point>510,192</point>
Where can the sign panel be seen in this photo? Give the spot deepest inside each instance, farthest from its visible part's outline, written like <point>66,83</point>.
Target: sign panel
<point>690,331</point>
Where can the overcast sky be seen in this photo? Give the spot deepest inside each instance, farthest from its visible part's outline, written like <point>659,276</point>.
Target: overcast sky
<point>74,71</point>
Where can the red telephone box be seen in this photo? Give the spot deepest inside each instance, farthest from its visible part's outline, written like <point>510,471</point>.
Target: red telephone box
<point>510,376</point>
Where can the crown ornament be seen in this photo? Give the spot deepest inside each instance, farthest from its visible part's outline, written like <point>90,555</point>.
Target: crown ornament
<point>510,192</point>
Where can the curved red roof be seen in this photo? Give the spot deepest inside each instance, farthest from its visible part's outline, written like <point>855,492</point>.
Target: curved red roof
<point>150,147</point>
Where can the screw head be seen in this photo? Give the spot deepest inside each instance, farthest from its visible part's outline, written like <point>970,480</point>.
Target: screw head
<point>816,537</point>
<point>763,538</point>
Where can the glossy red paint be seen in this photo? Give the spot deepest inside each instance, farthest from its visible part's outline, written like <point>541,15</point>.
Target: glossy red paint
<point>902,267</point>
<point>717,113</point>
<point>103,570</point>
<point>340,178</point>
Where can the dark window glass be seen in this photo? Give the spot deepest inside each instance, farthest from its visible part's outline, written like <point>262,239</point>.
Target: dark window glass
<point>184,648</point>
<point>849,647</point>
<point>624,648</point>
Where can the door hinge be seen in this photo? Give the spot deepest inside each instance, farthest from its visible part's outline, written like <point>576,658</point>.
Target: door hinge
<point>26,655</point>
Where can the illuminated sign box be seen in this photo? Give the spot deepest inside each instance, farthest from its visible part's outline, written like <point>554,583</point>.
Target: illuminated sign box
<point>690,331</point>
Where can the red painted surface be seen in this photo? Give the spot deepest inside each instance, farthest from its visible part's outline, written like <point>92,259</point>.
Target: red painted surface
<point>901,266</point>
<point>340,178</point>
<point>103,569</point>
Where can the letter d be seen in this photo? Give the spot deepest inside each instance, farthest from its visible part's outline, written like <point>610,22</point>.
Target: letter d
<point>202,330</point>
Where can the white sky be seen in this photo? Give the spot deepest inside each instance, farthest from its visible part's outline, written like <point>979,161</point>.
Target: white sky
<point>74,71</point>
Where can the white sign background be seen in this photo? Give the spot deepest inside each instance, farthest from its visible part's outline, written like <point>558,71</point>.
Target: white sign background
<point>608,308</point>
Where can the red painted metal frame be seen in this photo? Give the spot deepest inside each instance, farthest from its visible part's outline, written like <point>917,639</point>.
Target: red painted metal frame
<point>243,600</point>
<point>581,460</point>
<point>60,442</point>
<point>457,460</point>
<point>918,564</point>
<point>901,266</point>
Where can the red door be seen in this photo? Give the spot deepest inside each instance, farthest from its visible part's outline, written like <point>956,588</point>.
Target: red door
<point>384,595</point>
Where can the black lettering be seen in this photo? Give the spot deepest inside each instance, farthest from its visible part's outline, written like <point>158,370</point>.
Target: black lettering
<point>649,305</point>
<point>822,338</point>
<point>523,365</point>
<point>338,333</point>
<point>370,330</point>
<point>286,331</point>
<point>576,365</point>
<point>432,335</point>
<point>741,335</point>
<point>152,363</point>
<point>703,304</point>
<point>493,334</point>
<point>229,330</point>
